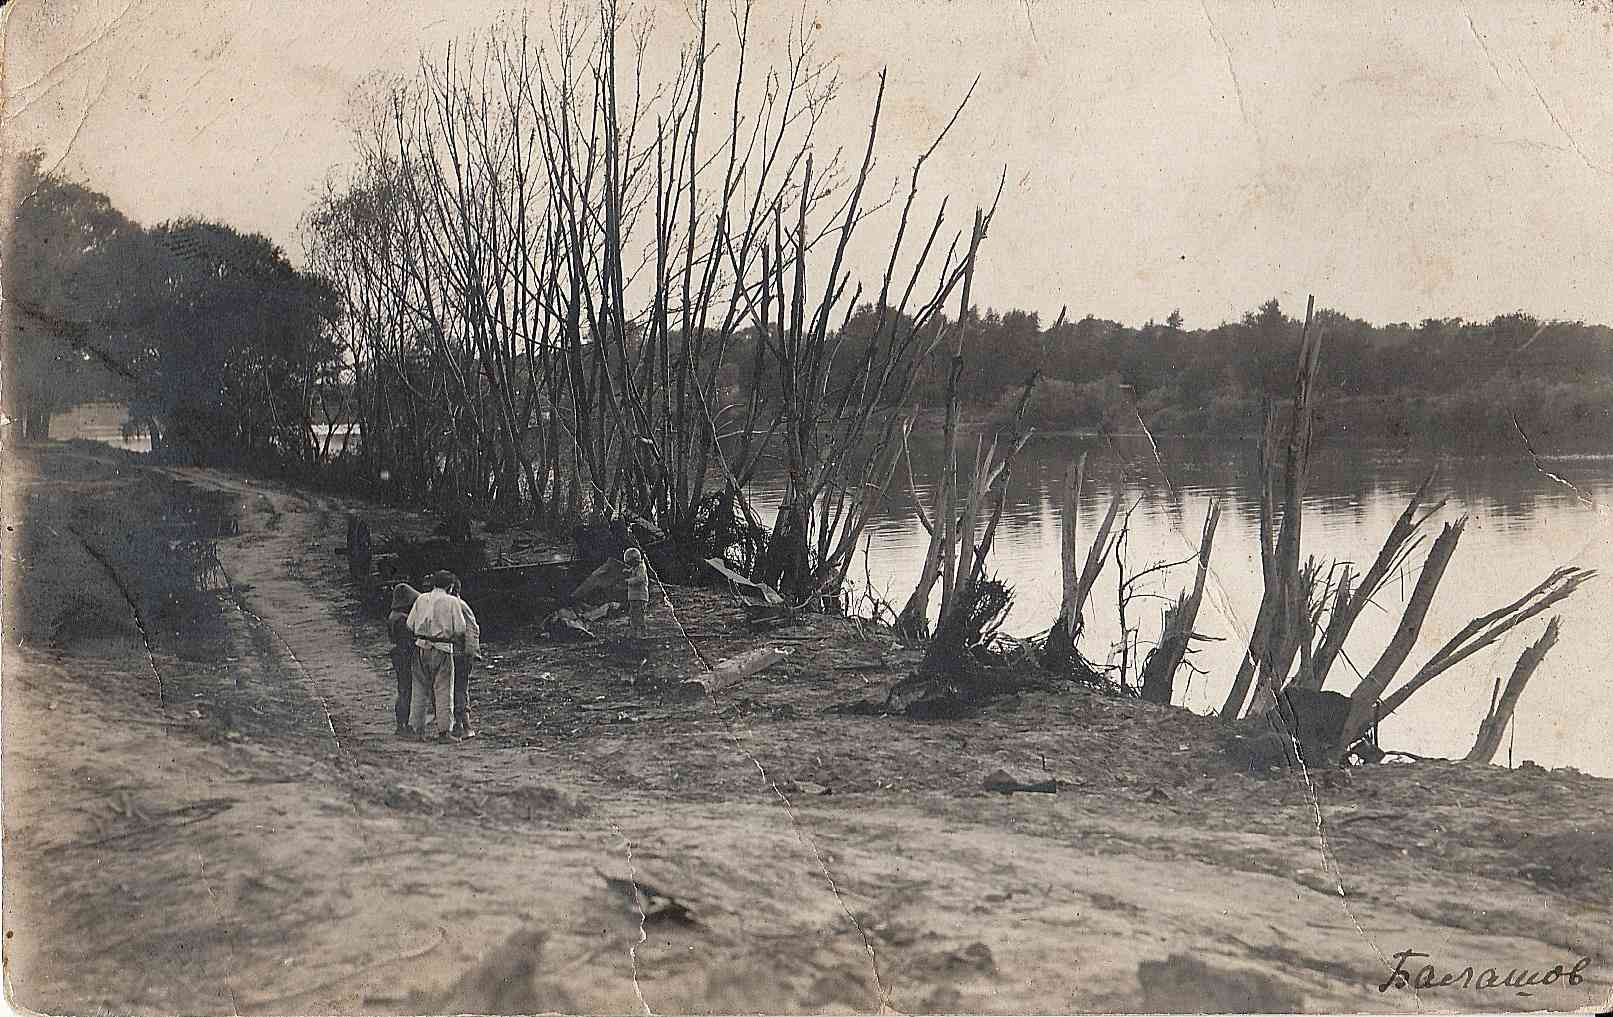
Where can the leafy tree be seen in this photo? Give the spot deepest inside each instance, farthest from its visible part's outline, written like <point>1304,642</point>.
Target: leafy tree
<point>234,345</point>
<point>61,281</point>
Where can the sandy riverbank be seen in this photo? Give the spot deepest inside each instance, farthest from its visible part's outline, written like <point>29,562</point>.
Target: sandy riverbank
<point>213,815</point>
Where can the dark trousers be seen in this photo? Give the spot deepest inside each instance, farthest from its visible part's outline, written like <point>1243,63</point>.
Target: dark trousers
<point>402,670</point>
<point>462,669</point>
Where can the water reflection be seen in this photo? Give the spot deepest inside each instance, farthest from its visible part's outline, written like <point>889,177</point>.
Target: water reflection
<point>1522,524</point>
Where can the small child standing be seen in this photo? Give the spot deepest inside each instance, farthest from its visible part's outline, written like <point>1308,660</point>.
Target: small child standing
<point>638,590</point>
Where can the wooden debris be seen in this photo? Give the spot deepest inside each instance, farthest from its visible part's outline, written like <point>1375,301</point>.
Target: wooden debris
<point>747,591</point>
<point>803,787</point>
<point>654,905</point>
<point>1006,783</point>
<point>736,669</point>
<point>565,626</point>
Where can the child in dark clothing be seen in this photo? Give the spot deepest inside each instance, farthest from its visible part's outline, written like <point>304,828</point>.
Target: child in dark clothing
<point>397,627</point>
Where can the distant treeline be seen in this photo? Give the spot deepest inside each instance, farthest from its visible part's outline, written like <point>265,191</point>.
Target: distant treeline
<point>1442,382</point>
<point>227,353</point>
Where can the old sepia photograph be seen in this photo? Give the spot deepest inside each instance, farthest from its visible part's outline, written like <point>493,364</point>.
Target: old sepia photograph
<point>806,506</point>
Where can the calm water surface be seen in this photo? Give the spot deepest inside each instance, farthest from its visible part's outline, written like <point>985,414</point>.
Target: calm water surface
<point>1521,525</point>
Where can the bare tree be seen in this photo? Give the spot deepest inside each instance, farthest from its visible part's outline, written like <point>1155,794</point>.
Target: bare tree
<point>1282,605</point>
<point>559,257</point>
<point>1059,650</point>
<point>1297,599</point>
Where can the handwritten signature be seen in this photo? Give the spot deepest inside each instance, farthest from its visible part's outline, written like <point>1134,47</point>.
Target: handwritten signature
<point>1520,979</point>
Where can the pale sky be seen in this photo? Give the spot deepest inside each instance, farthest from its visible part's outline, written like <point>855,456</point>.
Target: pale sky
<point>1400,161</point>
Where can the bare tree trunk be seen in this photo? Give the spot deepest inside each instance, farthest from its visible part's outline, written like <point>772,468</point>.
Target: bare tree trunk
<point>1371,687</point>
<point>1279,624</point>
<point>913,622</point>
<point>1350,599</point>
<point>1495,722</point>
<point>1060,646</point>
<point>1059,651</point>
<point>963,622</point>
<point>1483,631</point>
<point>1289,604</point>
<point>1159,670</point>
<point>949,432</point>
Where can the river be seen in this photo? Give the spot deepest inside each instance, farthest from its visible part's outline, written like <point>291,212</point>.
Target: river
<point>1523,522</point>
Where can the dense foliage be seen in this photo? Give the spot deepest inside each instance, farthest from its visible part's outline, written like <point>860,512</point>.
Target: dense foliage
<point>1442,382</point>
<point>60,290</point>
<point>218,344</point>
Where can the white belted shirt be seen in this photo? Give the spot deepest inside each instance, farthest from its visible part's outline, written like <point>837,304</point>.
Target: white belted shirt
<point>440,620</point>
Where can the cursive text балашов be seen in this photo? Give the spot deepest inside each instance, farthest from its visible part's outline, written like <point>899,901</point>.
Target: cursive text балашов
<point>1520,979</point>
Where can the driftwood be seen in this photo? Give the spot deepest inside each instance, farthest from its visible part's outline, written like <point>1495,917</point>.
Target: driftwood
<point>1003,782</point>
<point>565,626</point>
<point>1159,669</point>
<point>747,591</point>
<point>734,670</point>
<point>1495,722</point>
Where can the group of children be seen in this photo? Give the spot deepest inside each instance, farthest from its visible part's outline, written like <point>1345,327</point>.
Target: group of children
<point>436,642</point>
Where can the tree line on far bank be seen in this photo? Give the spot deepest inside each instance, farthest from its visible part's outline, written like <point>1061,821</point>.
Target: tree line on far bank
<point>1443,383</point>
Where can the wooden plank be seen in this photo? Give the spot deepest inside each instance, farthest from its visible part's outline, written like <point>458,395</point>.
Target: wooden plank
<point>732,671</point>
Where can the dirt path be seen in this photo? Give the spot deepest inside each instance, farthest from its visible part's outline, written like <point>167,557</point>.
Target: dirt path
<point>255,840</point>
